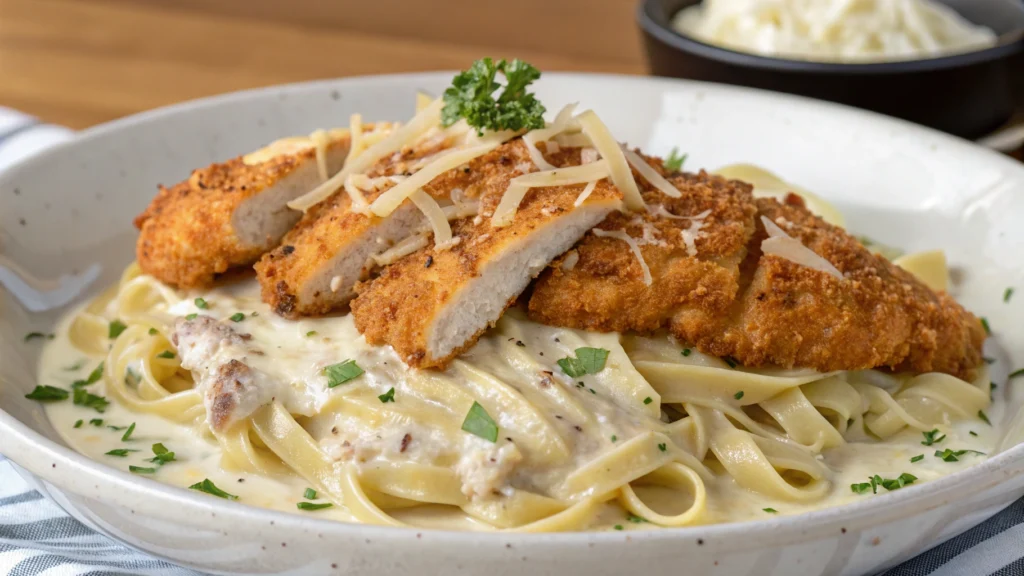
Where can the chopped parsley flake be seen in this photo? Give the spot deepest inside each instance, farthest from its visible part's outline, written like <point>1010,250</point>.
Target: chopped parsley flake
<point>635,519</point>
<point>738,395</point>
<point>338,374</point>
<point>93,377</point>
<point>166,354</point>
<point>141,470</point>
<point>39,335</point>
<point>78,423</point>
<point>161,455</point>
<point>131,378</point>
<point>153,331</point>
<point>770,510</point>
<point>984,417</point>
<point>85,398</point>
<point>479,423</point>
<point>115,329</point>
<point>201,304</point>
<point>128,433</point>
<point>984,324</point>
<point>191,316</point>
<point>903,480</point>
<point>861,488</point>
<point>309,494</point>
<point>388,396</point>
<point>648,400</point>
<point>917,458</point>
<point>587,361</point>
<point>615,438</point>
<point>730,361</point>
<point>117,428</point>
<point>310,506</point>
<point>1007,294</point>
<point>988,360</point>
<point>663,447</point>
<point>932,436</point>
<point>675,161</point>
<point>618,527</point>
<point>75,367</point>
<point>686,352</point>
<point>48,394</point>
<point>1016,373</point>
<point>210,488</point>
<point>973,433</point>
<point>96,422</point>
<point>311,333</point>
<point>237,317</point>
<point>471,97</point>
<point>120,452</point>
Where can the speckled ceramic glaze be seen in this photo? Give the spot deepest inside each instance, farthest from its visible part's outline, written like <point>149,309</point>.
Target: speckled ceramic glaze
<point>70,209</point>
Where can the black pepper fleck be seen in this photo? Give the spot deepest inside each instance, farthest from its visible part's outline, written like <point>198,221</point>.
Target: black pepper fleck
<point>520,344</point>
<point>288,249</point>
<point>430,261</point>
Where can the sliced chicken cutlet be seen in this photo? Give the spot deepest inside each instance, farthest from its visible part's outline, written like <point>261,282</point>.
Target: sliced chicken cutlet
<point>319,261</point>
<point>730,299</point>
<point>433,304</point>
<point>228,214</point>
<point>692,247</point>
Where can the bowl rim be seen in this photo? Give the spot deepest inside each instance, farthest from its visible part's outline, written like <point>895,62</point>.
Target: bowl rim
<point>50,460</point>
<point>653,28</point>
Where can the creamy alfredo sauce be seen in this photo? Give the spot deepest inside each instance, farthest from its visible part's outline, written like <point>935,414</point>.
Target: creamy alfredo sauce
<point>297,351</point>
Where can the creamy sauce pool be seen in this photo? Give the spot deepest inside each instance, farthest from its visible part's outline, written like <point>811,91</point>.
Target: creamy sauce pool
<point>305,346</point>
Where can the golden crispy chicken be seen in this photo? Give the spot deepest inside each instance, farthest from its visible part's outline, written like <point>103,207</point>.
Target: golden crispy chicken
<point>332,247</point>
<point>433,304</point>
<point>711,286</point>
<point>228,214</point>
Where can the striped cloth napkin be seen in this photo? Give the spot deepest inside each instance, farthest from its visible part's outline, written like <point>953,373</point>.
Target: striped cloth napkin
<point>37,538</point>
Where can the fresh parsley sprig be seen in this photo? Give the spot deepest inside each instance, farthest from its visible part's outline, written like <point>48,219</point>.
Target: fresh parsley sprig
<point>471,96</point>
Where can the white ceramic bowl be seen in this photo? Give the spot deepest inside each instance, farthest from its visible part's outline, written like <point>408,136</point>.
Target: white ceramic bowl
<point>71,207</point>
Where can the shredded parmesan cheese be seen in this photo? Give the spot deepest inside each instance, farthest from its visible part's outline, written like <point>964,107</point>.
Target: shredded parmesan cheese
<point>423,100</point>
<point>518,187</point>
<point>390,200</point>
<point>589,155</point>
<point>610,150</point>
<point>785,246</point>
<point>587,190</point>
<point>531,138</point>
<point>436,217</point>
<point>650,174</point>
<point>570,261</point>
<point>572,140</point>
<point>620,235</point>
<point>355,123</point>
<point>420,124</point>
<point>401,250</point>
<point>359,203</point>
<point>321,140</point>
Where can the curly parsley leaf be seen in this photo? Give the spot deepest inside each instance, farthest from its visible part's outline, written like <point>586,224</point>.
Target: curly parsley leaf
<point>471,96</point>
<point>47,394</point>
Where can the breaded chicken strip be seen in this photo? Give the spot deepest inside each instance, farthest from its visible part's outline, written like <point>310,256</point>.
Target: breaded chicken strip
<point>331,248</point>
<point>767,310</point>
<point>600,286</point>
<point>228,214</point>
<point>433,304</point>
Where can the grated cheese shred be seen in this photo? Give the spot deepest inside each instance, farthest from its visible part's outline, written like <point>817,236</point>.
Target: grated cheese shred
<point>531,138</point>
<point>436,217</point>
<point>420,124</point>
<point>401,250</point>
<point>633,246</point>
<point>785,246</point>
<point>587,191</point>
<point>321,140</point>
<point>518,187</point>
<point>650,174</point>
<point>355,123</point>
<point>610,150</point>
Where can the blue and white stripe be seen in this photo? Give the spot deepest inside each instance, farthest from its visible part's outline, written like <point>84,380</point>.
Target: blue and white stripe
<point>37,538</point>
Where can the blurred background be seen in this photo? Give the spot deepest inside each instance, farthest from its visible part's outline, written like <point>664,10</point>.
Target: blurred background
<point>78,63</point>
<point>83,62</point>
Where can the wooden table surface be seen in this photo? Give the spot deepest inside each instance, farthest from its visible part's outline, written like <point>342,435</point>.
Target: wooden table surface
<point>82,62</point>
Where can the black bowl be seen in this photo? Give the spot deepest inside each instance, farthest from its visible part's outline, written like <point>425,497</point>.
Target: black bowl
<point>969,94</point>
